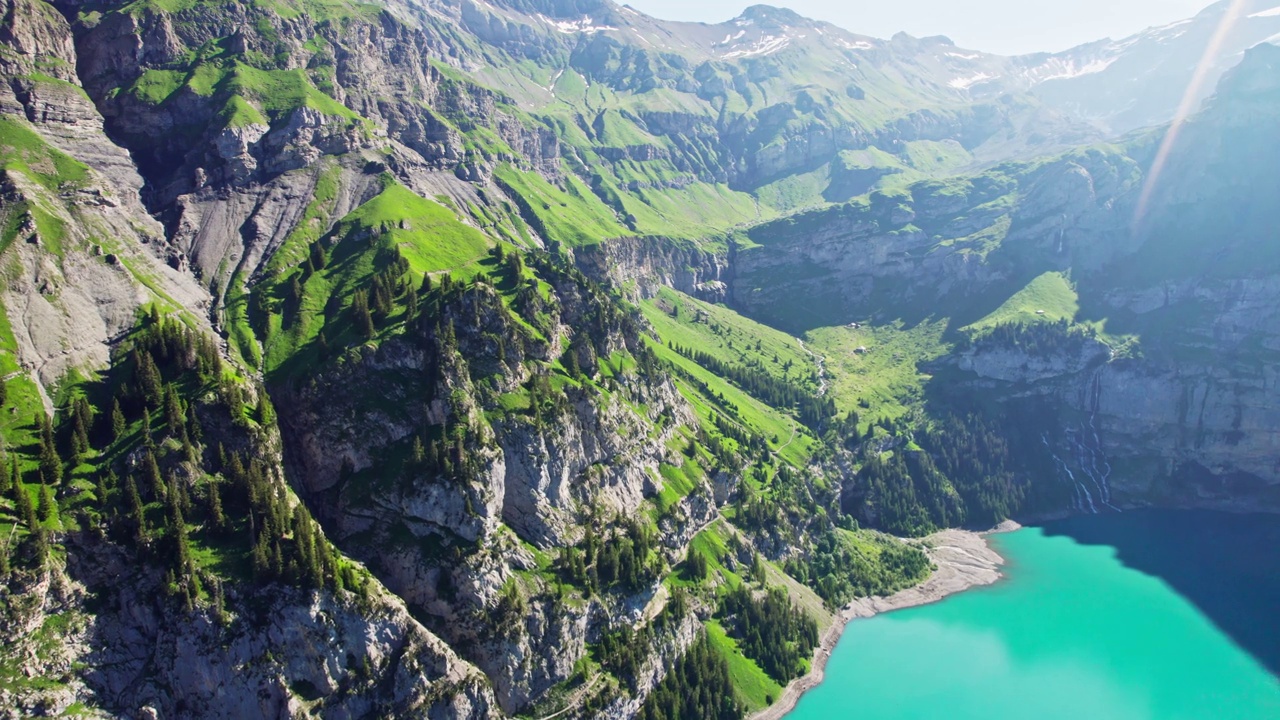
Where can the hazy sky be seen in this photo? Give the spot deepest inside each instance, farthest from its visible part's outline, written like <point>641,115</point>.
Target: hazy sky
<point>1003,26</point>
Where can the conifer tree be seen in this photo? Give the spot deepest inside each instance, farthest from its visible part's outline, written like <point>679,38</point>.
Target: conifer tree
<point>216,517</point>
<point>118,424</point>
<point>318,256</point>
<point>48,509</point>
<point>194,430</point>
<point>149,380</point>
<point>363,319</point>
<point>50,463</point>
<point>104,481</point>
<point>151,476</point>
<point>134,509</point>
<point>26,510</point>
<point>266,412</point>
<point>173,414</point>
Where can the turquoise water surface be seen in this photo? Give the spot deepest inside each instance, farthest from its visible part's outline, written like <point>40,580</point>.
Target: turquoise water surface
<point>1098,618</point>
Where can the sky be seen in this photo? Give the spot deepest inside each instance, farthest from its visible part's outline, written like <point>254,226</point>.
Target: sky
<point>1000,26</point>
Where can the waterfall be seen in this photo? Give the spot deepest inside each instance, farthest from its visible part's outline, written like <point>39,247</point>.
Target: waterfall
<point>1085,446</point>
<point>1098,468</point>
<point>1081,497</point>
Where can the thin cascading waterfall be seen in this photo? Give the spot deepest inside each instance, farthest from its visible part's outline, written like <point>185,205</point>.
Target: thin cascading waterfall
<point>1081,497</point>
<point>1097,466</point>
<point>1084,458</point>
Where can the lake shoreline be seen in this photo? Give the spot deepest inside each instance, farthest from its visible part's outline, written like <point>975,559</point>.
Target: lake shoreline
<point>963,559</point>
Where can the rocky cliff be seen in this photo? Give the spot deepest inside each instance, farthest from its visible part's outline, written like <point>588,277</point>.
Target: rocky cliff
<point>1185,412</point>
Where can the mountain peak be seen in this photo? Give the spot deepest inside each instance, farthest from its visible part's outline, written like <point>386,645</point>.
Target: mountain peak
<point>770,15</point>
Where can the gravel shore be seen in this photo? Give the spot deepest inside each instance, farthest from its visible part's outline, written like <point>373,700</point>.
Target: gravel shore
<point>963,560</point>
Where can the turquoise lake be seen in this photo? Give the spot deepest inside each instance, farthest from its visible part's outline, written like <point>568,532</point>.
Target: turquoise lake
<point>1146,615</point>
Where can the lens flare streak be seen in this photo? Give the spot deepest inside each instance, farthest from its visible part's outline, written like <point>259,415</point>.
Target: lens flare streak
<point>1187,106</point>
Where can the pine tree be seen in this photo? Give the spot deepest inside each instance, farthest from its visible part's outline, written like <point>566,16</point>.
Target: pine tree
<point>418,454</point>
<point>570,361</point>
<point>104,481</point>
<point>266,413</point>
<point>48,509</point>
<point>363,319</point>
<point>118,424</point>
<point>194,430</point>
<point>26,510</point>
<point>149,380</point>
<point>50,463</point>
<point>148,440</point>
<point>216,516</point>
<point>134,508</point>
<point>318,256</point>
<point>151,476</point>
<point>410,305</point>
<point>81,421</point>
<point>173,414</point>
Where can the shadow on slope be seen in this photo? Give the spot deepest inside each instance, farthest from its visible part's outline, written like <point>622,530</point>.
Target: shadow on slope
<point>1225,564</point>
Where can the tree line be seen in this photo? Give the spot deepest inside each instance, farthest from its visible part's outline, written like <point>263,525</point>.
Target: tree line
<point>812,410</point>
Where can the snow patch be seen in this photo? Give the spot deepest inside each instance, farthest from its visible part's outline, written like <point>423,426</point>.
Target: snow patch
<point>859,45</point>
<point>966,83</point>
<point>1058,69</point>
<point>962,56</point>
<point>1273,12</point>
<point>571,27</point>
<point>766,45</point>
<point>728,38</point>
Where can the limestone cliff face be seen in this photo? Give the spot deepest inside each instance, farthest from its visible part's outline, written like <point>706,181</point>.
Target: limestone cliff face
<point>102,624</point>
<point>910,251</point>
<point>642,266</point>
<point>1190,272</point>
<point>85,255</point>
<point>231,178</point>
<point>447,541</point>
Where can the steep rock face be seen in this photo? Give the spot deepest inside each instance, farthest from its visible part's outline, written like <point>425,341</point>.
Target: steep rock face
<point>47,631</point>
<point>451,538</point>
<point>277,652</point>
<point>951,240</point>
<point>1198,435</point>
<point>665,649</point>
<point>234,231</point>
<point>641,266</point>
<point>231,150</point>
<point>85,255</point>
<point>1181,260</point>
